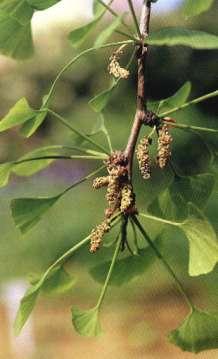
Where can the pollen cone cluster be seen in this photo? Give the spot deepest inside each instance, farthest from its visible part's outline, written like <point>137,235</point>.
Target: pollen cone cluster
<point>127,198</point>
<point>114,66</point>
<point>164,142</point>
<point>100,182</point>
<point>142,154</point>
<point>97,235</point>
<point>119,195</point>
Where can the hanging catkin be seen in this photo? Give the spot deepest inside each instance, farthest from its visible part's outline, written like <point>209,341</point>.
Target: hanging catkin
<point>164,142</point>
<point>142,153</point>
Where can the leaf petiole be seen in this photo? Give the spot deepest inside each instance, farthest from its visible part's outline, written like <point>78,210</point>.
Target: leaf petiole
<point>73,129</point>
<point>188,127</point>
<point>104,288</point>
<point>114,13</point>
<point>132,10</point>
<point>192,102</point>
<point>90,175</point>
<point>159,219</point>
<point>165,263</point>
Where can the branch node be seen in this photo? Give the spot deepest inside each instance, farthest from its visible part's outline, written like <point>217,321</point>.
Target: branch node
<point>150,119</point>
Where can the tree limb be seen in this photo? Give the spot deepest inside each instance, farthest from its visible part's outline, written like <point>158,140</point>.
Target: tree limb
<point>141,107</point>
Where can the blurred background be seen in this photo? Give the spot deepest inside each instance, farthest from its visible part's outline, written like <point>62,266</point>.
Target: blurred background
<point>138,315</point>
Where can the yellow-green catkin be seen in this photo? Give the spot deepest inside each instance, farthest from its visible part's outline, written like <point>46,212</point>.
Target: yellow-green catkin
<point>127,198</point>
<point>164,142</point>
<point>142,154</point>
<point>100,182</point>
<point>97,235</point>
<point>115,68</point>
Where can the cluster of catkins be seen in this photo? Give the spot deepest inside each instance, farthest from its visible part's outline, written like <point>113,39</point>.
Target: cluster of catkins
<point>114,66</point>
<point>119,196</point>
<point>163,151</point>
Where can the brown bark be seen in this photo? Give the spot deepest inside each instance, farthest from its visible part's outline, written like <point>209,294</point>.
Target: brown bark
<point>141,108</point>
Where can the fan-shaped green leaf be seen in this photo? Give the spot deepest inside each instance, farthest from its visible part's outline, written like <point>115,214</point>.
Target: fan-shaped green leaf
<point>198,332</point>
<point>169,205</point>
<point>176,100</point>
<point>5,170</point>
<point>31,167</point>
<point>99,127</point>
<point>203,243</point>
<point>54,281</point>
<point>30,127</point>
<point>18,9</point>
<point>196,189</point>
<point>27,212</point>
<point>78,35</point>
<point>173,202</point>
<point>42,4</point>
<point>193,7</point>
<point>26,306</point>
<point>20,113</point>
<point>100,101</point>
<point>97,8</point>
<point>172,36</point>
<point>15,38</point>
<point>108,31</point>
<point>126,269</point>
<point>86,322</point>
<point>59,282</point>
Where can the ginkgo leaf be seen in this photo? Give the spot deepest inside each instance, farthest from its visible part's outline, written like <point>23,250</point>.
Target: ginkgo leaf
<point>173,36</point>
<point>176,100</point>
<point>100,101</point>
<point>108,31</point>
<point>31,167</point>
<point>193,7</point>
<point>97,8</point>
<point>26,306</point>
<point>54,281</point>
<point>19,10</point>
<point>173,202</point>
<point>198,332</point>
<point>98,127</point>
<point>59,283</point>
<point>86,322</point>
<point>79,35</point>
<point>27,212</point>
<point>126,269</point>
<point>20,113</point>
<point>5,171</point>
<point>42,4</point>
<point>196,189</point>
<point>15,38</point>
<point>203,243</point>
<point>170,205</point>
<point>30,127</point>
